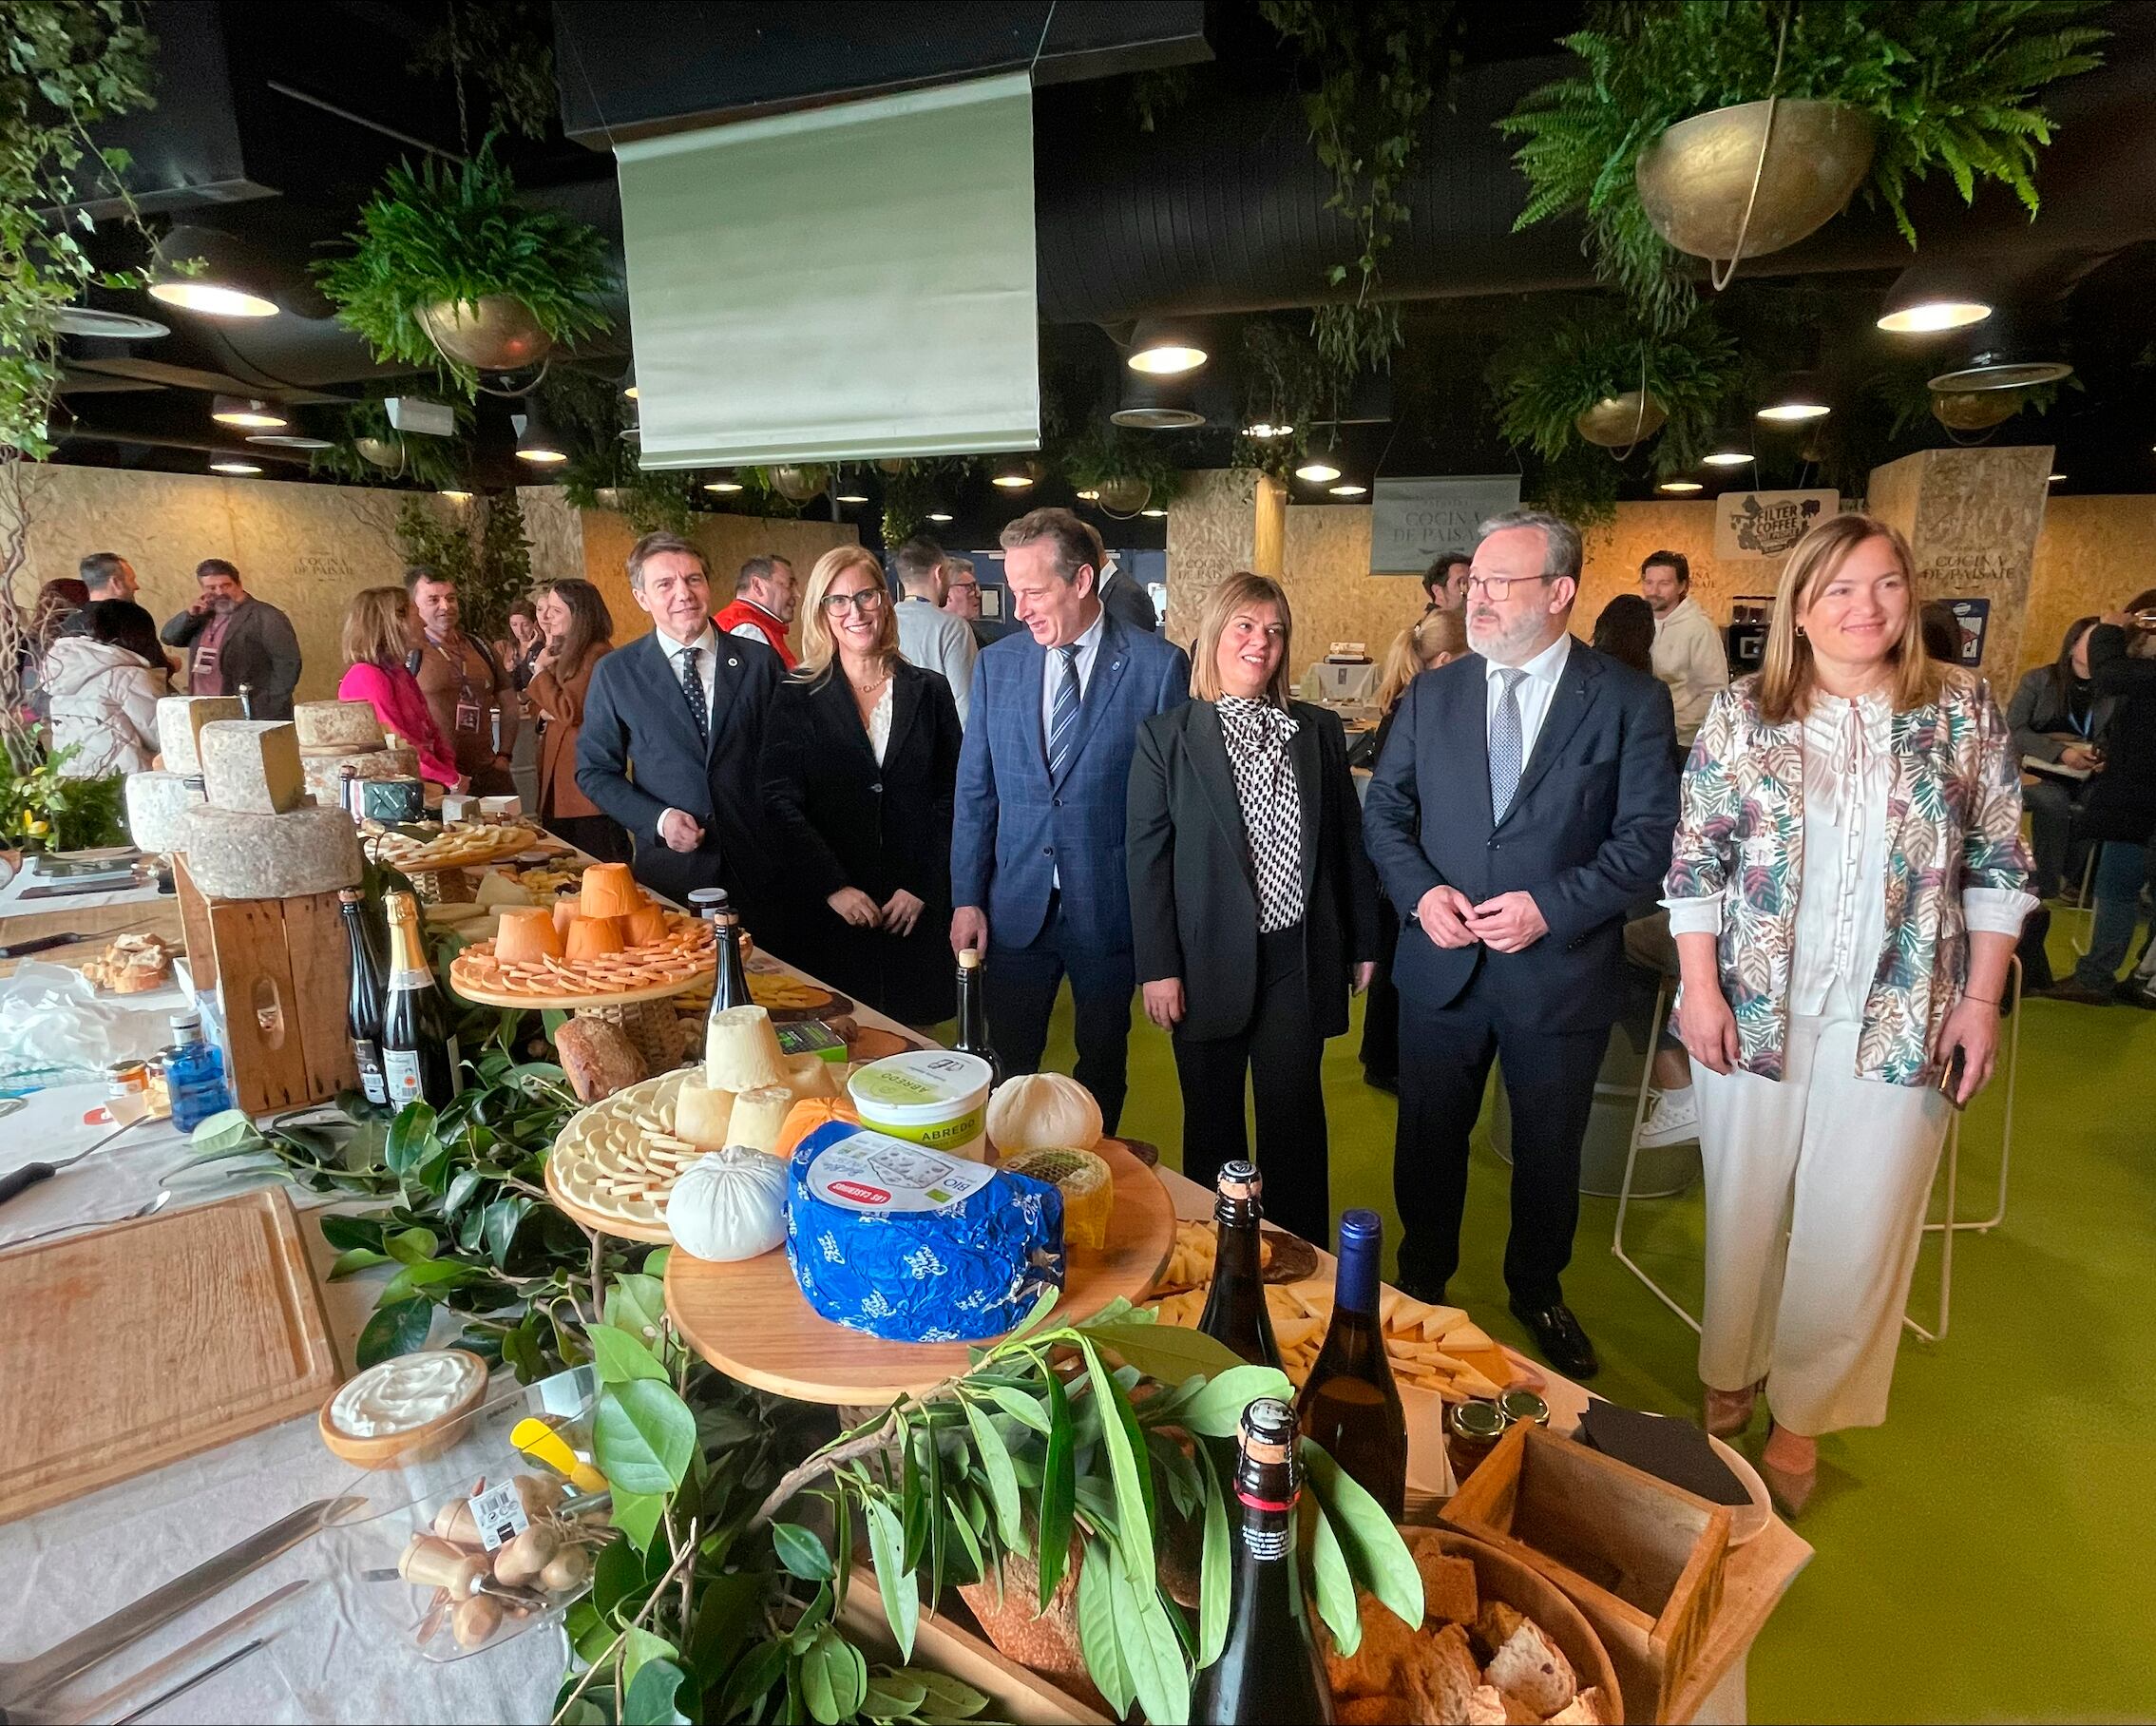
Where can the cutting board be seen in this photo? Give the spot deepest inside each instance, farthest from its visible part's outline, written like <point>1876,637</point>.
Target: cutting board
<point>131,1346</point>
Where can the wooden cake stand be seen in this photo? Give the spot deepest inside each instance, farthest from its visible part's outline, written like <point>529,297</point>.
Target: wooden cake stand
<point>749,1319</point>
<point>656,1031</point>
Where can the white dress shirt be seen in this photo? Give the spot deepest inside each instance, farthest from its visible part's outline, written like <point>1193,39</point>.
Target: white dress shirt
<point>880,721</point>
<point>1841,930</point>
<point>1088,647</point>
<point>707,673</point>
<point>1537,689</point>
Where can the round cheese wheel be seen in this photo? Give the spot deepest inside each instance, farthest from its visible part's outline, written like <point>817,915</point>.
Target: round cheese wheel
<point>591,938</point>
<point>758,1117</point>
<point>700,1115</point>
<point>181,717</point>
<point>336,727</point>
<point>156,802</point>
<point>235,854</point>
<point>325,773</point>
<point>644,925</point>
<point>527,932</point>
<point>610,890</point>
<point>741,1051</point>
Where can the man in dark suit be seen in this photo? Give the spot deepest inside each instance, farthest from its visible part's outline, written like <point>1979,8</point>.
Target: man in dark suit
<point>1522,803</point>
<point>673,730</point>
<point>1038,875</point>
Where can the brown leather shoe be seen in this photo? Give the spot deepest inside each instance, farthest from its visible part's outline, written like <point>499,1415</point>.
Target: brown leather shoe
<point>1790,1488</point>
<point>1728,1412</point>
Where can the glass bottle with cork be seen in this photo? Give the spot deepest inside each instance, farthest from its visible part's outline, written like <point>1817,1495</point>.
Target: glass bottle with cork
<point>1349,1405</point>
<point>1235,1312</point>
<point>973,1013</point>
<point>420,1058</point>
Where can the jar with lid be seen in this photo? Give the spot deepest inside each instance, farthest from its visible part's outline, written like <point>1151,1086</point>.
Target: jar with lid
<point>1472,1430</point>
<point>1523,1408</point>
<point>127,1091</point>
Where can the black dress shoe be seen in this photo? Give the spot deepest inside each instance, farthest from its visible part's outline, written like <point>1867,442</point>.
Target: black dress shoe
<point>1387,1082</point>
<point>1419,1288</point>
<point>1564,1345</point>
<point>2130,991</point>
<point>2070,988</point>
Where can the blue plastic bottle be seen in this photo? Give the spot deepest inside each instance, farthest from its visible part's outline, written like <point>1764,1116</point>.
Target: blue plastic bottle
<point>194,1074</point>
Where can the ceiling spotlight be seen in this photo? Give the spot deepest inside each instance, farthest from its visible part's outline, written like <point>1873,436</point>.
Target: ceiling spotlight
<point>726,484</point>
<point>200,270</point>
<point>455,495</point>
<point>232,464</point>
<point>1320,467</point>
<point>1347,488</point>
<point>1679,488</point>
<point>1165,349</point>
<point>1262,428</point>
<point>535,442</point>
<point>1996,368</point>
<point>939,515</point>
<point>1928,298</point>
<point>1800,397</point>
<point>247,410</point>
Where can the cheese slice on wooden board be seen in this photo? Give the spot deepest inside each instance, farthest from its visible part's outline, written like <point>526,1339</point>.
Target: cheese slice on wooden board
<point>336,727</point>
<point>156,801</point>
<point>252,765</point>
<point>179,721</point>
<point>235,853</point>
<point>325,773</point>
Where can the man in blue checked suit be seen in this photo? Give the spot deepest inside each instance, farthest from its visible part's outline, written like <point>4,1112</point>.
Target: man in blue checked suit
<point>1036,848</point>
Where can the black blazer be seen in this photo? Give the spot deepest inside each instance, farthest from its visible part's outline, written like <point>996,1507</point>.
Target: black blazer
<point>1588,833</point>
<point>2121,803</point>
<point>1127,598</point>
<point>838,819</point>
<point>637,756</point>
<point>1194,902</point>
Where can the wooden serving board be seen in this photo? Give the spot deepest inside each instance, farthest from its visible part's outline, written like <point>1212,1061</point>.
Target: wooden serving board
<point>749,1318</point>
<point>134,1346</point>
<point>570,1004</point>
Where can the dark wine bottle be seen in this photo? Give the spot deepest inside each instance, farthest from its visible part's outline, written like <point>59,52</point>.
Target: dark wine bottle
<point>730,987</point>
<point>1350,1405</point>
<point>1269,1669</point>
<point>973,1012</point>
<point>363,999</point>
<point>1234,1310</point>
<point>420,1061</point>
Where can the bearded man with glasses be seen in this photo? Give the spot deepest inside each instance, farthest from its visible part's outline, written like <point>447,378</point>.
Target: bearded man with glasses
<point>1523,804</point>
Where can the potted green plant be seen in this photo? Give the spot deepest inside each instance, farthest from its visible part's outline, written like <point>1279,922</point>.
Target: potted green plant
<point>448,268</point>
<point>1661,137</point>
<point>1597,376</point>
<point>1122,472</point>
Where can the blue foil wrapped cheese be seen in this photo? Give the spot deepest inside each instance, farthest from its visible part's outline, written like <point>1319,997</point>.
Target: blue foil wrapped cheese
<point>913,1245</point>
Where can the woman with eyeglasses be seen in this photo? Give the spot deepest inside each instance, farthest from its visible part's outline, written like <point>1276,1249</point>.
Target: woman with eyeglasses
<point>859,765</point>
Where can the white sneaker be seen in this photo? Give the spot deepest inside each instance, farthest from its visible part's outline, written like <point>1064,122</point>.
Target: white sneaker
<point>1673,1117</point>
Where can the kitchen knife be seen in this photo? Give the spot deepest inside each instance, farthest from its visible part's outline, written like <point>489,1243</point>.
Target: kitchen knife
<point>153,1682</point>
<point>22,1681</point>
<point>20,950</point>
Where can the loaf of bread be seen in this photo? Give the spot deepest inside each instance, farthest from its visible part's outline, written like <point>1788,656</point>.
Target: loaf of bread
<point>599,1058</point>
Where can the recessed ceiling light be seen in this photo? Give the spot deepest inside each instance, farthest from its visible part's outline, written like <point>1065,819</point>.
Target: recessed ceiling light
<point>1348,489</point>
<point>723,487</point>
<point>247,410</point>
<point>1680,486</point>
<point>939,515</point>
<point>226,464</point>
<point>1265,429</point>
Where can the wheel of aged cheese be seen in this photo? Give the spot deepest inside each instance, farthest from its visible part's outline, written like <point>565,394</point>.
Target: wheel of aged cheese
<point>527,932</point>
<point>336,727</point>
<point>179,721</point>
<point>325,773</point>
<point>252,765</point>
<point>235,853</point>
<point>611,891</point>
<point>156,802</point>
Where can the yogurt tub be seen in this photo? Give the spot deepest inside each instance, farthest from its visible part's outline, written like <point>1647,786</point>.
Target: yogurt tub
<point>400,1410</point>
<point>938,1098</point>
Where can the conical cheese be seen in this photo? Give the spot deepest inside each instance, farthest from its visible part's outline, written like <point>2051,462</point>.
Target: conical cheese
<point>742,1051</point>
<point>700,1115</point>
<point>757,1116</point>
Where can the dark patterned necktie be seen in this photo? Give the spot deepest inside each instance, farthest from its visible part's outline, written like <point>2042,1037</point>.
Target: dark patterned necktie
<point>1064,716</point>
<point>693,686</point>
<point>1507,754</point>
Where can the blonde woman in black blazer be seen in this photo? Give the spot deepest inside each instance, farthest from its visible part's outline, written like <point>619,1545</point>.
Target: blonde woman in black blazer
<point>1253,910</point>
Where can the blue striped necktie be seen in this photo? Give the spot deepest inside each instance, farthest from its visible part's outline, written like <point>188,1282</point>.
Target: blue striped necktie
<point>1064,716</point>
<point>1507,754</point>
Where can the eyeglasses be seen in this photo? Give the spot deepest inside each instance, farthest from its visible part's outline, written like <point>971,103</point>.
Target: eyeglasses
<point>1497,587</point>
<point>867,600</point>
<point>962,587</point>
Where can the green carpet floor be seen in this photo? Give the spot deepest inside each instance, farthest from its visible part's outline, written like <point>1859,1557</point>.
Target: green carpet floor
<point>1978,1557</point>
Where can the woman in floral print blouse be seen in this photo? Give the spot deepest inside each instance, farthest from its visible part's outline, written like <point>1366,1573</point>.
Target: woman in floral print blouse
<point>1845,892</point>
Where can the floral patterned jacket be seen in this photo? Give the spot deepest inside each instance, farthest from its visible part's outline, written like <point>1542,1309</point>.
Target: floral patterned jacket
<point>1954,821</point>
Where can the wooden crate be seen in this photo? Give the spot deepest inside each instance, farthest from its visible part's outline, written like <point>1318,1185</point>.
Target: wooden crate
<point>1642,1560</point>
<point>279,968</point>
<point>943,1643</point>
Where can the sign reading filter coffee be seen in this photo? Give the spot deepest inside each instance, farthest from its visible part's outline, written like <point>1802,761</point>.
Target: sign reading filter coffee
<point>1767,523</point>
<point>1412,520</point>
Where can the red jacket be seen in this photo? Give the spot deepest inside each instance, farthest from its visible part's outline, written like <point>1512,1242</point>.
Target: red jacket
<point>767,627</point>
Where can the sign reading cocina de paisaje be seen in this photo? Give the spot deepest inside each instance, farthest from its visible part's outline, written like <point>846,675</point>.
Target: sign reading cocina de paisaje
<point>1768,523</point>
<point>1412,520</point>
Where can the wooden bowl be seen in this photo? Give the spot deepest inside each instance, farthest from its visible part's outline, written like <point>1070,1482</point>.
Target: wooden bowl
<point>414,1444</point>
<point>1499,1576</point>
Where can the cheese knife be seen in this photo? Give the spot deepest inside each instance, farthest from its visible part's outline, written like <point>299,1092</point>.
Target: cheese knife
<point>22,1179</point>
<point>24,1681</point>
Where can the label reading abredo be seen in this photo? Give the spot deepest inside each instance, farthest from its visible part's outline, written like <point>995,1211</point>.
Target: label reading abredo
<point>877,1174</point>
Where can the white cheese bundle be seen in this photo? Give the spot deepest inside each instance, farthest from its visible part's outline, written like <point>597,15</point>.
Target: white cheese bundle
<point>329,728</point>
<point>179,721</point>
<point>325,773</point>
<point>237,854</point>
<point>156,802</point>
<point>252,765</point>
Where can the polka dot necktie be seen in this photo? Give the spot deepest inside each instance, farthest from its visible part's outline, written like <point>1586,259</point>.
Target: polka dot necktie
<point>693,686</point>
<point>1507,754</point>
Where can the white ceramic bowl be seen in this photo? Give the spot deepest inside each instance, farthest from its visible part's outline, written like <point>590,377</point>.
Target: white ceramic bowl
<point>1744,1520</point>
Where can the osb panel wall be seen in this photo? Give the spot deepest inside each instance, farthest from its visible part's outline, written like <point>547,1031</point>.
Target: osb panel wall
<point>1978,515</point>
<point>1213,532</point>
<point>2094,554</point>
<point>1616,552</point>
<point>306,550</point>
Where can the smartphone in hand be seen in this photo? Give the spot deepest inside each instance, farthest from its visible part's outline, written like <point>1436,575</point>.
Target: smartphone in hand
<point>1952,1072</point>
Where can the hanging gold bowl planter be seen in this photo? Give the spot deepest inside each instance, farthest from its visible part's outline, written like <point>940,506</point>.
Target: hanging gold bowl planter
<point>497,333</point>
<point>1125,496</point>
<point>1617,422</point>
<point>1696,180</point>
<point>1974,410</point>
<point>381,452</point>
<point>797,485</point>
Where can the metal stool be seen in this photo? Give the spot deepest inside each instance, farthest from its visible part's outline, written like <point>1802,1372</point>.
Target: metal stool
<point>1631,1160</point>
<point>2086,938</point>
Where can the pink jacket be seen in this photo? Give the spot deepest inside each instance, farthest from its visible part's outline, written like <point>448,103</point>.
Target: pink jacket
<point>393,694</point>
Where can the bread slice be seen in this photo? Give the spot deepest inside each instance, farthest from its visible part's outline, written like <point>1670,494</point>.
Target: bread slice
<point>1446,1676</point>
<point>1586,1709</point>
<point>1524,1664</point>
<point>1486,1707</point>
<point>1384,1663</point>
<point>1449,1594</point>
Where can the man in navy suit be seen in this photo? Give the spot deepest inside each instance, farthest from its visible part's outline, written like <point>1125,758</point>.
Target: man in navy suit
<point>1523,802</point>
<point>673,729</point>
<point>1038,876</point>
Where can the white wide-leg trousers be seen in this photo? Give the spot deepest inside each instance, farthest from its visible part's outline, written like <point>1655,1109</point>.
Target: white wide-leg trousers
<point>1816,1191</point>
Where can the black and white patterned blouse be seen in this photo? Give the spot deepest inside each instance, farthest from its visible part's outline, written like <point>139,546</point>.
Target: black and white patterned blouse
<point>1257,734</point>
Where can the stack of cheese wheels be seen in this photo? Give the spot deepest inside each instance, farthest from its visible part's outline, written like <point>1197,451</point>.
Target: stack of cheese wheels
<point>610,914</point>
<point>156,802</point>
<point>257,836</point>
<point>336,734</point>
